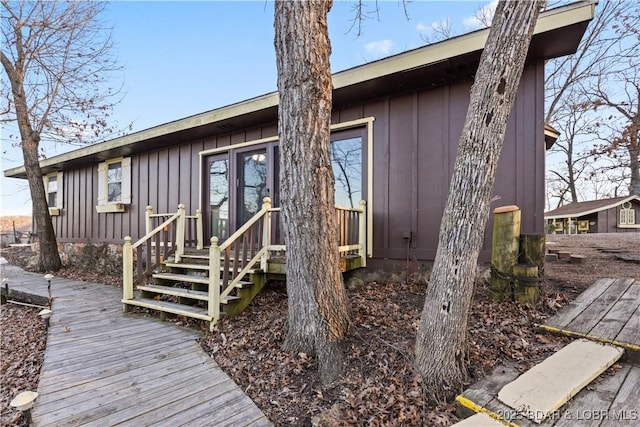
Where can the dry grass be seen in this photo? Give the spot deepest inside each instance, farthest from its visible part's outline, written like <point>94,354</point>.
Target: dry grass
<point>22,223</point>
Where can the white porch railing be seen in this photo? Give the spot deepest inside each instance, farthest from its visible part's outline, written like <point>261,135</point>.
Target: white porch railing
<point>234,258</point>
<point>168,238</point>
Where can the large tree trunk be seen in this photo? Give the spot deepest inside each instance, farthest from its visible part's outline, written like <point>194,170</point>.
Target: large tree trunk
<point>49,258</point>
<point>318,314</point>
<point>441,342</point>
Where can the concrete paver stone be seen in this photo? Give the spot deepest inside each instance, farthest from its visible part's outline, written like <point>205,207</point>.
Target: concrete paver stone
<point>551,383</point>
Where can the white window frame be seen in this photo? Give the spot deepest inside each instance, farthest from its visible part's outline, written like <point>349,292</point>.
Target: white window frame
<point>627,216</point>
<point>54,210</point>
<point>104,205</point>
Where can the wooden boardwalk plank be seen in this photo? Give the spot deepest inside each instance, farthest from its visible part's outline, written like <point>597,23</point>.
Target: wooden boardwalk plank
<point>625,409</point>
<point>71,344</point>
<point>483,391</point>
<point>631,331</point>
<point>105,385</point>
<point>103,366</point>
<point>577,306</point>
<point>591,315</point>
<point>240,415</point>
<point>79,409</point>
<point>56,380</point>
<point>97,359</point>
<point>152,400</point>
<point>597,398</point>
<point>93,335</point>
<point>615,320</point>
<point>180,410</point>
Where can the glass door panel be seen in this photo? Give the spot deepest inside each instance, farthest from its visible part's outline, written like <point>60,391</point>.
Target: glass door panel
<point>346,160</point>
<point>219,198</point>
<point>252,183</point>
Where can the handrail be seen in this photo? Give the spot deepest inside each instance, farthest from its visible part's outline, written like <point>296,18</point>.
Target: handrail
<point>240,231</point>
<point>230,261</point>
<point>155,230</point>
<point>169,239</point>
<point>245,239</point>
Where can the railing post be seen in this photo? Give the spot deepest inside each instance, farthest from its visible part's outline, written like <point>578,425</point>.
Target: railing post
<point>362,236</point>
<point>127,269</point>
<point>180,232</point>
<point>199,230</point>
<point>214,283</point>
<point>148,221</point>
<point>266,235</point>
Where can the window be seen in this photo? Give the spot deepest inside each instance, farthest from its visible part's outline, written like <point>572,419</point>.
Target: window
<point>114,185</point>
<point>627,214</point>
<point>114,182</point>
<point>346,159</point>
<point>53,189</point>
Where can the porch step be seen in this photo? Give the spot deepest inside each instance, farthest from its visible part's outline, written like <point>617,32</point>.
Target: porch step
<point>187,266</point>
<point>190,293</point>
<point>550,384</point>
<point>182,278</point>
<point>178,292</point>
<point>170,307</point>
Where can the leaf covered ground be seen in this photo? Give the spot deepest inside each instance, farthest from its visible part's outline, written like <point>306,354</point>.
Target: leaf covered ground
<point>379,386</point>
<point>22,352</point>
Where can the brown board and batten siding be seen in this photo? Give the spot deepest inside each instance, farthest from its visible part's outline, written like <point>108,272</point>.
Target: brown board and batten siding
<point>414,148</point>
<point>415,142</point>
<point>608,219</point>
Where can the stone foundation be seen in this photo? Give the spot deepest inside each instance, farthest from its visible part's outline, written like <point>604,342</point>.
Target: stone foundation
<point>102,258</point>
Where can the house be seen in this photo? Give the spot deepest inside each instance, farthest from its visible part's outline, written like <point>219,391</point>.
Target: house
<point>396,125</point>
<point>616,215</point>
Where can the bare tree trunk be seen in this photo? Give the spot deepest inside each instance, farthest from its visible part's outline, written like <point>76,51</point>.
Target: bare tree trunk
<point>318,313</point>
<point>49,258</point>
<point>634,151</point>
<point>441,342</point>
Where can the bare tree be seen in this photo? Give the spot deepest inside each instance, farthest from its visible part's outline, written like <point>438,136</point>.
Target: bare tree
<point>439,30</point>
<point>596,83</point>
<point>576,126</point>
<point>441,341</point>
<point>57,59</point>
<point>622,125</point>
<point>318,314</point>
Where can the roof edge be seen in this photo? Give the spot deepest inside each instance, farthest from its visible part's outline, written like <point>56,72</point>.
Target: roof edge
<point>549,20</point>
<point>590,211</point>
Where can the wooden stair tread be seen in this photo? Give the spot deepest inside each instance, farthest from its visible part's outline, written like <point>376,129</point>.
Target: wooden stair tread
<point>187,266</point>
<point>179,292</point>
<point>170,307</point>
<point>182,278</point>
<point>186,293</point>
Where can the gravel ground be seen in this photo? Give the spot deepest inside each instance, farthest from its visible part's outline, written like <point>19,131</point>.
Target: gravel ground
<point>380,387</point>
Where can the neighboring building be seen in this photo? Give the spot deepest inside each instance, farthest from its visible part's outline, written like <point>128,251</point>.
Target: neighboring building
<point>617,215</point>
<point>396,125</point>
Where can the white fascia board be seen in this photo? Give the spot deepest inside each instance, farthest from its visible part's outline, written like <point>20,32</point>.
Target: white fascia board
<point>590,211</point>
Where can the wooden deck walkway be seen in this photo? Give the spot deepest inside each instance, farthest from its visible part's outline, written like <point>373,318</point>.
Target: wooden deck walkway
<point>104,368</point>
<point>608,311</point>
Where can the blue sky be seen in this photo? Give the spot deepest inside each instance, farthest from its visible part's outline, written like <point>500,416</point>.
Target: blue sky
<point>183,58</point>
